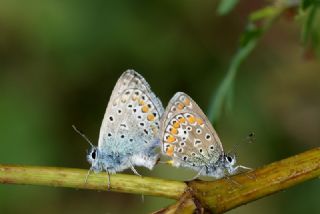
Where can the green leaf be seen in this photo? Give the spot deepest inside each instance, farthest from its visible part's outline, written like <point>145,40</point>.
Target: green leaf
<point>226,6</point>
<point>308,24</point>
<point>224,93</point>
<point>307,3</point>
<point>263,13</point>
<point>251,32</point>
<point>222,99</point>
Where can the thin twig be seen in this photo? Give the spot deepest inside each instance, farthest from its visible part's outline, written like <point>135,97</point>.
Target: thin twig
<point>185,205</point>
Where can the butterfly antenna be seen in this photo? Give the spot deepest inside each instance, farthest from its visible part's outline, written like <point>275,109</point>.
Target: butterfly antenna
<point>249,139</point>
<point>83,135</point>
<point>234,150</point>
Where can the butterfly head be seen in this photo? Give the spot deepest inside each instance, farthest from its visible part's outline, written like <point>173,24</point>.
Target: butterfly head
<point>93,159</point>
<point>229,162</point>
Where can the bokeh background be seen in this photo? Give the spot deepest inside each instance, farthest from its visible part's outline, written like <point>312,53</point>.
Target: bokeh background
<point>59,61</point>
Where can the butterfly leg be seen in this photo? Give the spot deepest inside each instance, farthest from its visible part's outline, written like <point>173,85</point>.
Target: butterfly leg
<point>135,171</point>
<point>239,168</point>
<point>199,173</point>
<point>231,181</point>
<point>243,169</point>
<point>248,170</point>
<point>109,181</point>
<point>87,176</point>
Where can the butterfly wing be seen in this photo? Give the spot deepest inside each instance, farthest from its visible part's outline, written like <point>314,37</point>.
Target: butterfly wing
<point>187,135</point>
<point>130,126</point>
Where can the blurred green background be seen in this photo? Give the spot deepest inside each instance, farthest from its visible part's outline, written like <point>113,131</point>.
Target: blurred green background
<point>59,61</point>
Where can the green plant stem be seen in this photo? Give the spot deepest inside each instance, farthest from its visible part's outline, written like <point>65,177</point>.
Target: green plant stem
<point>217,196</point>
<point>219,98</point>
<point>249,40</point>
<point>75,178</point>
<point>185,205</point>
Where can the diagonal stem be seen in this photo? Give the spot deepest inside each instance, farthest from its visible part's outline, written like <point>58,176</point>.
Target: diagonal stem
<point>221,196</point>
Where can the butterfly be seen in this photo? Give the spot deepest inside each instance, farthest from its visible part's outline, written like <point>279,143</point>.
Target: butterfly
<point>190,140</point>
<point>129,134</point>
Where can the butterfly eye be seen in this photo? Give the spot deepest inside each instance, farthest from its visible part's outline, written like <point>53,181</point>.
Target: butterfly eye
<point>229,159</point>
<point>94,154</point>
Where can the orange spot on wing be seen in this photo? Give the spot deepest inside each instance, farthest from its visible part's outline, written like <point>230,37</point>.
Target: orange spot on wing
<point>145,109</point>
<point>174,131</point>
<point>154,129</point>
<point>141,102</point>
<point>150,117</point>
<point>180,106</point>
<point>182,120</point>
<point>171,139</point>
<point>170,151</point>
<point>186,101</point>
<point>176,125</point>
<point>199,121</point>
<point>134,97</point>
<point>192,119</point>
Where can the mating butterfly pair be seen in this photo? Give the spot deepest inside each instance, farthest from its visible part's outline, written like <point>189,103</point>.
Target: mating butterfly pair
<point>135,125</point>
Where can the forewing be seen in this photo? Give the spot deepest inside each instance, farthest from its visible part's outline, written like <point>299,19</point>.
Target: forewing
<point>187,135</point>
<point>132,118</point>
